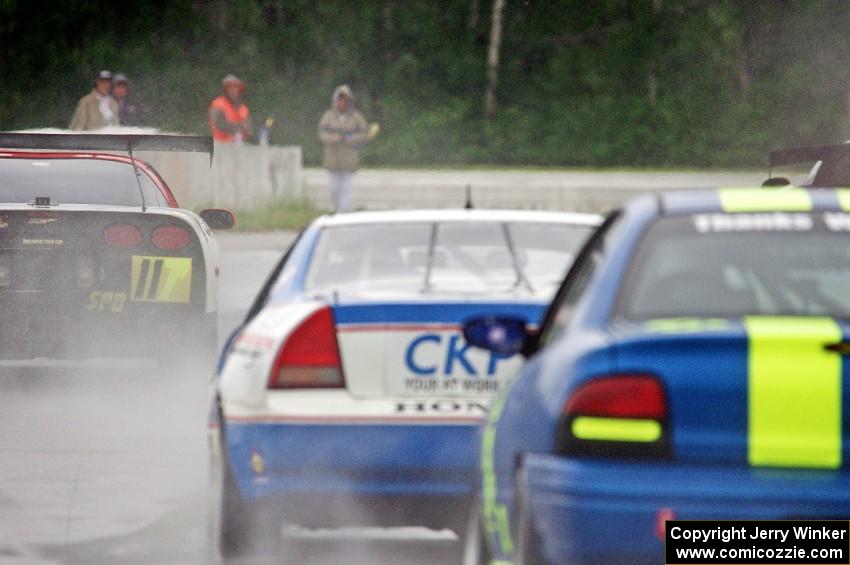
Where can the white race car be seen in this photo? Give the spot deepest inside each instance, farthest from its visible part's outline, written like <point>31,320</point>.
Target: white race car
<point>350,379</point>
<point>96,257</point>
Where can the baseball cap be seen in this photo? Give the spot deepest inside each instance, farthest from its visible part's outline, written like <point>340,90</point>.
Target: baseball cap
<point>104,75</point>
<point>120,77</point>
<point>233,79</point>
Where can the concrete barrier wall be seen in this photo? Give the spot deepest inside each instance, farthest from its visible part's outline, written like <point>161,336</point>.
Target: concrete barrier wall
<point>590,191</point>
<point>250,176</point>
<point>240,177</point>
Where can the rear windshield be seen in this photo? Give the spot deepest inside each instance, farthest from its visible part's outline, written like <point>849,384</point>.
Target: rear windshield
<point>730,265</point>
<point>444,257</point>
<point>75,181</point>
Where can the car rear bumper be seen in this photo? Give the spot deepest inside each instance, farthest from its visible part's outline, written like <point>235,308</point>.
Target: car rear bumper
<point>379,460</point>
<point>81,323</point>
<point>607,512</point>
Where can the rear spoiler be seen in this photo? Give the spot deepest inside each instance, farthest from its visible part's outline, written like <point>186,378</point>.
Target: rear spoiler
<point>797,155</point>
<point>107,142</point>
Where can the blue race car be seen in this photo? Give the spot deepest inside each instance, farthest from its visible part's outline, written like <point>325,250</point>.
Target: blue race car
<point>691,366</point>
<point>348,396</point>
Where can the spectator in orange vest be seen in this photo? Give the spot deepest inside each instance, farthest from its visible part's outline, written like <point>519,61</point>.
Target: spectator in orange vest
<point>230,120</point>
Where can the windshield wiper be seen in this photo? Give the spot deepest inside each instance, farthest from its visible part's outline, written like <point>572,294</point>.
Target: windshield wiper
<point>520,275</point>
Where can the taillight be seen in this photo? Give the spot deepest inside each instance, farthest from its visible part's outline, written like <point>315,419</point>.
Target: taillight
<point>663,516</point>
<point>170,238</point>
<point>122,236</point>
<point>622,415</point>
<point>309,358</point>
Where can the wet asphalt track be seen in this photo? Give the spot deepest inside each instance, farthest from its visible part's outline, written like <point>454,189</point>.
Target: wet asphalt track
<point>107,462</point>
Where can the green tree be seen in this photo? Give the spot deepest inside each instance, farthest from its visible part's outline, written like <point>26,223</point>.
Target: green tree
<point>604,83</point>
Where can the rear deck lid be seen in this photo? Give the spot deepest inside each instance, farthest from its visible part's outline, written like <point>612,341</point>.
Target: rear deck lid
<point>412,349</point>
<point>763,391</point>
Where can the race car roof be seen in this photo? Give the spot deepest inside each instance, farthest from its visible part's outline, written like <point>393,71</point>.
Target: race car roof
<point>730,200</point>
<point>106,142</point>
<point>449,215</point>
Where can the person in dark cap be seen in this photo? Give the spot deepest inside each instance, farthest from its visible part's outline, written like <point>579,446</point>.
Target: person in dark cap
<point>229,118</point>
<point>130,113</point>
<point>97,109</point>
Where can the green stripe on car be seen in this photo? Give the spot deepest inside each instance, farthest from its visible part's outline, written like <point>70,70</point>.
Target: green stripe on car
<point>495,515</point>
<point>765,200</point>
<point>794,392</point>
<point>843,196</point>
<point>616,429</point>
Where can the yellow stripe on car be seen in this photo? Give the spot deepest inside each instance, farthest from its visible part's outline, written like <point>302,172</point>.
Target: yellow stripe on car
<point>843,195</point>
<point>494,515</point>
<point>794,392</point>
<point>616,429</point>
<point>765,200</point>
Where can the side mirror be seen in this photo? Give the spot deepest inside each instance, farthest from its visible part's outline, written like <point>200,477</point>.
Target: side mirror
<point>502,334</point>
<point>218,219</point>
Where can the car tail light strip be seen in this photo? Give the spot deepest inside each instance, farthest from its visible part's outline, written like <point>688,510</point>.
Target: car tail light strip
<point>616,429</point>
<point>619,415</point>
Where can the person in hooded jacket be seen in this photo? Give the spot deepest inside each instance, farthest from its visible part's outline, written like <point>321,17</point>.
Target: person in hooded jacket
<point>343,131</point>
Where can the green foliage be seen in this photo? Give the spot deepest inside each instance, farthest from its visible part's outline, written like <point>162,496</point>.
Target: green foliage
<point>732,80</point>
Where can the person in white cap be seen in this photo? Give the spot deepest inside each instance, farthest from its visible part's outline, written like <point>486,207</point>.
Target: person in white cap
<point>98,108</point>
<point>229,117</point>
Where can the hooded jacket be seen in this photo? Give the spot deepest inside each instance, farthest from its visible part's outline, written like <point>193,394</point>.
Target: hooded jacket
<point>342,154</point>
